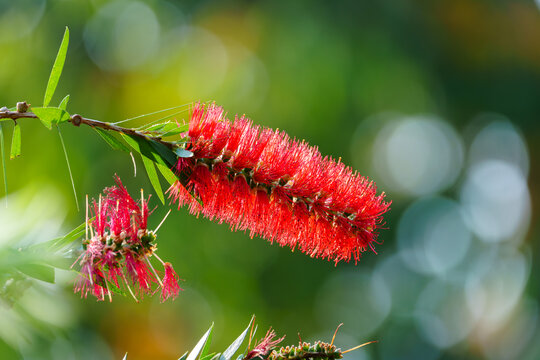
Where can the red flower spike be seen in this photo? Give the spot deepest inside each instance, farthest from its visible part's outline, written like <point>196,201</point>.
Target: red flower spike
<point>170,286</point>
<point>262,181</point>
<point>264,346</point>
<point>118,253</point>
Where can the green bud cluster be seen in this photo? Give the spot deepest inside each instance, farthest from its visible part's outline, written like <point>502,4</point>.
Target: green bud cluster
<point>318,350</point>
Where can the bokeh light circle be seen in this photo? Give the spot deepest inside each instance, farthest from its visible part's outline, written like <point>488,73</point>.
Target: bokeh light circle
<point>19,18</point>
<point>122,35</point>
<point>499,140</point>
<point>441,313</point>
<point>494,287</point>
<point>496,200</point>
<point>417,155</point>
<point>432,235</point>
<point>360,298</point>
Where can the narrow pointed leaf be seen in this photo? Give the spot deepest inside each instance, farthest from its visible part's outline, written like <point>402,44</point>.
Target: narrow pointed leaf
<point>38,271</point>
<point>64,102</point>
<point>16,142</point>
<point>167,173</point>
<point>164,152</point>
<point>3,159</point>
<point>197,349</point>
<point>56,69</point>
<point>152,175</point>
<point>115,143</point>
<point>231,350</point>
<point>70,237</point>
<point>125,357</point>
<point>50,116</point>
<point>183,357</point>
<point>207,356</point>
<point>206,347</point>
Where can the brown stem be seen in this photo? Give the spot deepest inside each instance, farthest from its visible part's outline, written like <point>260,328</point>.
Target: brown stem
<point>77,120</point>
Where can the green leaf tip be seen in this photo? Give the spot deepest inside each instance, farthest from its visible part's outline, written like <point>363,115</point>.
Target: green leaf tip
<point>200,345</point>
<point>57,68</point>
<point>16,142</point>
<point>3,159</point>
<point>64,102</point>
<point>113,142</point>
<point>231,350</point>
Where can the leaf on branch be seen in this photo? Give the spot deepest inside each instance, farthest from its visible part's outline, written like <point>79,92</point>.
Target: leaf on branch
<point>56,69</point>
<point>152,175</point>
<point>62,242</point>
<point>206,347</point>
<point>115,143</point>
<point>38,271</point>
<point>168,128</point>
<point>3,159</point>
<point>197,349</point>
<point>50,116</point>
<point>163,153</point>
<point>64,102</point>
<point>151,152</point>
<point>16,142</point>
<point>228,354</point>
<point>167,173</point>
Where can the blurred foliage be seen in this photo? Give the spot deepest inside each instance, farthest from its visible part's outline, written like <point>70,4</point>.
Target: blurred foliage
<point>403,90</point>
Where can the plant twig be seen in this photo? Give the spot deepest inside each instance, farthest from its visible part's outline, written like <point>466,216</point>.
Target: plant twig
<point>77,120</point>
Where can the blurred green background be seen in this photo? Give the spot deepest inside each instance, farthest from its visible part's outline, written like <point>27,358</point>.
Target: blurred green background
<point>437,101</point>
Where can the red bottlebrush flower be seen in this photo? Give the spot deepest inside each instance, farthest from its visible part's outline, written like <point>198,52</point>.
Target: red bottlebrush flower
<point>118,252</point>
<point>278,188</point>
<point>265,346</point>
<point>170,286</point>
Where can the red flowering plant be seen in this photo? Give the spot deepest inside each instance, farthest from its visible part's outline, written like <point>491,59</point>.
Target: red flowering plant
<point>256,179</point>
<point>119,249</point>
<point>262,181</point>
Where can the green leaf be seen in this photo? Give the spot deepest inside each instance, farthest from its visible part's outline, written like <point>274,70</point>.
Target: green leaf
<point>197,349</point>
<point>183,153</point>
<point>183,357</point>
<point>167,173</point>
<point>206,347</point>
<point>64,102</point>
<point>56,69</point>
<point>16,142</point>
<point>3,159</point>
<point>164,152</point>
<point>125,357</point>
<point>228,354</point>
<point>67,239</point>
<point>149,157</point>
<point>69,168</point>
<point>38,271</point>
<point>152,175</point>
<point>50,116</point>
<point>115,143</point>
<point>208,356</point>
<point>168,128</point>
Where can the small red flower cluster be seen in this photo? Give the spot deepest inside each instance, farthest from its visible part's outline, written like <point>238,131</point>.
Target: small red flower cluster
<point>264,346</point>
<point>281,189</point>
<point>119,250</point>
